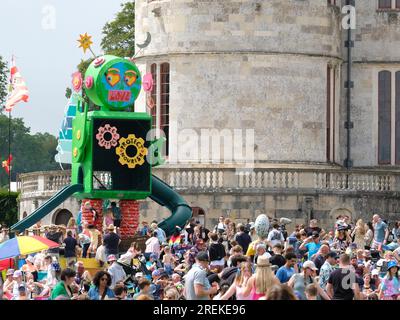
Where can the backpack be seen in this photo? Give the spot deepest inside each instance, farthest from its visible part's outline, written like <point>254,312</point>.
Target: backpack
<point>276,235</point>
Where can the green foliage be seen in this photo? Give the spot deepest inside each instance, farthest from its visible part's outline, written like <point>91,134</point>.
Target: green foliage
<point>8,208</point>
<point>119,34</point>
<point>3,82</point>
<point>30,152</point>
<point>68,93</point>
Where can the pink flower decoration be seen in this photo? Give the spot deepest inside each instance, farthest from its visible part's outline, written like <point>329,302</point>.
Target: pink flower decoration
<point>89,82</point>
<point>109,142</point>
<point>99,61</point>
<point>148,82</point>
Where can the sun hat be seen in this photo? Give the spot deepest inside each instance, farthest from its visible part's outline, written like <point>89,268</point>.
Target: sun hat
<point>309,264</point>
<point>111,227</point>
<point>17,273</point>
<point>10,272</point>
<point>263,261</point>
<point>31,259</point>
<point>392,264</point>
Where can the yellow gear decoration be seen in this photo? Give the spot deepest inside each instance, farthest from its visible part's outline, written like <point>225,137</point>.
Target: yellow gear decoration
<point>141,151</point>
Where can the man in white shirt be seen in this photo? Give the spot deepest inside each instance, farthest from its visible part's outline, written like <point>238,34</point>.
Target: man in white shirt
<point>152,245</point>
<point>275,236</point>
<point>115,270</point>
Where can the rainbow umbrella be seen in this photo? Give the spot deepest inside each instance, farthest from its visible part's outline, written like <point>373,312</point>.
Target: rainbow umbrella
<point>25,245</point>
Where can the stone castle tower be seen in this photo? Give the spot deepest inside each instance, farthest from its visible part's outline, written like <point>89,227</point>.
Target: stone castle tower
<point>279,67</point>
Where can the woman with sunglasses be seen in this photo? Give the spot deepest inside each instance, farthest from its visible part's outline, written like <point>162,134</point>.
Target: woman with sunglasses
<point>101,287</point>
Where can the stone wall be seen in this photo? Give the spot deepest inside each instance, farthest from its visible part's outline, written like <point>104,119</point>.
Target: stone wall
<point>245,65</point>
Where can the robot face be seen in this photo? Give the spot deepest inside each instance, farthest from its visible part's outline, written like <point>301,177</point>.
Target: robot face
<point>117,83</point>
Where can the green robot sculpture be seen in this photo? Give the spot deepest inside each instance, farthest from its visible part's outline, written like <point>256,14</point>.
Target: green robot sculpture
<point>112,150</point>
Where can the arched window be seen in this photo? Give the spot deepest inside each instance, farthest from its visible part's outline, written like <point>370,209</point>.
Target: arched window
<point>385,119</point>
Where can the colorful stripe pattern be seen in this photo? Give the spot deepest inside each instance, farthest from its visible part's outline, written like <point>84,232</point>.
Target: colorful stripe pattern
<point>25,245</point>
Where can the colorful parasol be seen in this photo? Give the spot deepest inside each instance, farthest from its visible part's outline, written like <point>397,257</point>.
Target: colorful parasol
<point>24,245</point>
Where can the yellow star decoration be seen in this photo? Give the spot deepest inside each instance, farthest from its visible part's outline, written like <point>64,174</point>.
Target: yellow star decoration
<point>85,42</point>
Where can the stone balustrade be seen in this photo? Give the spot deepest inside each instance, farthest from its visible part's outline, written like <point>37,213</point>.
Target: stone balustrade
<point>208,179</point>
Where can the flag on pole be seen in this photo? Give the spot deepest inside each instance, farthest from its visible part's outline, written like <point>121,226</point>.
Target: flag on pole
<point>7,164</point>
<point>18,89</point>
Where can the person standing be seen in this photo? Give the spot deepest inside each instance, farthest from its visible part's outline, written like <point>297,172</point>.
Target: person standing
<point>285,272</point>
<point>312,245</point>
<point>116,211</point>
<point>160,232</point>
<point>369,235</point>
<point>358,234</point>
<point>152,245</point>
<point>101,287</point>
<point>111,241</point>
<point>197,286</point>
<point>115,270</point>
<point>320,256</point>
<point>275,236</point>
<point>243,238</point>
<point>71,246</point>
<point>342,284</point>
<point>63,288</point>
<point>390,285</point>
<point>327,268</point>
<point>381,232</point>
<point>217,253</point>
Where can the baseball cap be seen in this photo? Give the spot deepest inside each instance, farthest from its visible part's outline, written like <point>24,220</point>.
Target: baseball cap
<point>315,234</point>
<point>17,273</point>
<point>139,275</point>
<point>375,272</point>
<point>309,264</point>
<point>202,256</point>
<point>111,257</point>
<point>163,274</point>
<point>332,254</point>
<point>252,226</point>
<point>30,259</point>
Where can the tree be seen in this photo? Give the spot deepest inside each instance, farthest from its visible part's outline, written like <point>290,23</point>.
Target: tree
<point>30,152</point>
<point>119,34</point>
<point>3,81</point>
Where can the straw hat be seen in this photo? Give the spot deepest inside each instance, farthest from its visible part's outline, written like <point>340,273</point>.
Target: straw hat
<point>263,261</point>
<point>111,227</point>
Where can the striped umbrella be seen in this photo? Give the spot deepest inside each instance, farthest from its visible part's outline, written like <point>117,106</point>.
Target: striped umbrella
<point>25,245</point>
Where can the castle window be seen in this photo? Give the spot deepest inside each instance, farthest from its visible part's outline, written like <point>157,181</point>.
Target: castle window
<point>385,119</point>
<point>160,98</point>
<point>388,4</point>
<point>385,4</point>
<point>154,94</point>
<point>397,115</point>
<point>330,113</point>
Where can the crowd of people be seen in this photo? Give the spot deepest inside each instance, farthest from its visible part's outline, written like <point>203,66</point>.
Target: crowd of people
<point>351,261</point>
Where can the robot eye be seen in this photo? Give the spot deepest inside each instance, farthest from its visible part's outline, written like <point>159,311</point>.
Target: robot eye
<point>113,76</point>
<point>130,77</point>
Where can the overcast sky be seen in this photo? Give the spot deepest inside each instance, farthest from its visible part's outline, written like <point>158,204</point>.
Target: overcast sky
<point>42,35</point>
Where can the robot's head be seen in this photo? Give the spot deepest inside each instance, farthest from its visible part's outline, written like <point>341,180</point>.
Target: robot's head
<point>113,82</point>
